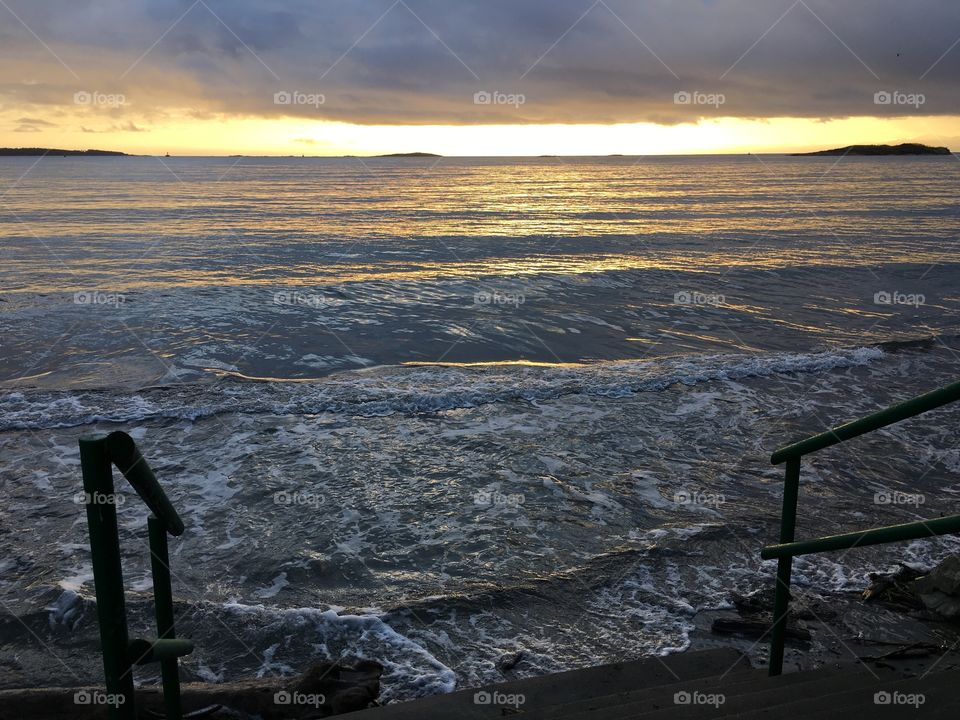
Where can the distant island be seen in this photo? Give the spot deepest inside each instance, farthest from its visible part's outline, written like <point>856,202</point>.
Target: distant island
<point>413,155</point>
<point>902,149</point>
<point>34,152</point>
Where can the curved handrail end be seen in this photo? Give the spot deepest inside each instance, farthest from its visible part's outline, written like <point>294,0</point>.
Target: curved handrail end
<point>126,456</point>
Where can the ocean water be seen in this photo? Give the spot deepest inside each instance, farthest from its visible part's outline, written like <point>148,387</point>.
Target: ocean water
<point>435,412</point>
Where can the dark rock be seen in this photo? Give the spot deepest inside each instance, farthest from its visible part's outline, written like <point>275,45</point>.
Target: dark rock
<point>939,590</point>
<point>758,605</point>
<point>508,662</point>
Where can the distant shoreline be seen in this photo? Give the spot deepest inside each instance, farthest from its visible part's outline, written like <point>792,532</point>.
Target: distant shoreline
<point>410,155</point>
<point>873,150</point>
<point>41,152</point>
<point>905,149</point>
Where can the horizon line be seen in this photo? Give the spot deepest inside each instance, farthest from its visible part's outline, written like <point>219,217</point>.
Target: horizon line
<point>408,156</point>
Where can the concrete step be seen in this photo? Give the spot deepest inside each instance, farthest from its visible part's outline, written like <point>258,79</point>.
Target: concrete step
<point>841,694</point>
<point>566,687</point>
<point>647,690</point>
<point>655,699</point>
<point>939,690</point>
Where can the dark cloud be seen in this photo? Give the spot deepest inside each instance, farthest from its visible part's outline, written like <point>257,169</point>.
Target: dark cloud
<point>32,125</point>
<point>36,122</point>
<point>423,61</point>
<point>121,127</point>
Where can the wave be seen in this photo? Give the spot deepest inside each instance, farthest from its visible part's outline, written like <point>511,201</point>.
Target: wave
<point>565,585</point>
<point>406,390</point>
<point>410,668</point>
<point>265,640</point>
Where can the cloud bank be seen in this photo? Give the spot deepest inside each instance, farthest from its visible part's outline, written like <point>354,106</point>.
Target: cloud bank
<point>477,61</point>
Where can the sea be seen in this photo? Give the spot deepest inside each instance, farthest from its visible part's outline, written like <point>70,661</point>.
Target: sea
<point>473,418</point>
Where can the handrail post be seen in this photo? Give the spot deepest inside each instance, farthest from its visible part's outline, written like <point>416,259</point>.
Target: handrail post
<point>107,575</point>
<point>792,455</point>
<point>781,597</point>
<point>163,600</point>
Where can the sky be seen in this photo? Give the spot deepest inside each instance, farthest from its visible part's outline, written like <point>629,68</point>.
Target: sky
<point>477,77</point>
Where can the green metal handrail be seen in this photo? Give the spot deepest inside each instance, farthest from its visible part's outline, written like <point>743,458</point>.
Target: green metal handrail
<point>787,549</point>
<point>877,536</point>
<point>895,413</point>
<point>120,654</point>
<point>125,455</point>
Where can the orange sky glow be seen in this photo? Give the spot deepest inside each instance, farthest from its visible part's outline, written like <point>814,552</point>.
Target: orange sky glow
<point>227,135</point>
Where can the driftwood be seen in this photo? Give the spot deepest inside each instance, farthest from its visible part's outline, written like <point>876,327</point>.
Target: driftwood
<point>894,590</point>
<point>755,628</point>
<point>325,689</point>
<point>906,651</point>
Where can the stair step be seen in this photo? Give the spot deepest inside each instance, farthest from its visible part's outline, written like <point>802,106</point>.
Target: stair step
<point>568,687</point>
<point>839,694</point>
<point>658,698</point>
<point>939,690</point>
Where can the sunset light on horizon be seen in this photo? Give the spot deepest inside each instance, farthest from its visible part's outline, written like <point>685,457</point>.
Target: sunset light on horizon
<point>297,136</point>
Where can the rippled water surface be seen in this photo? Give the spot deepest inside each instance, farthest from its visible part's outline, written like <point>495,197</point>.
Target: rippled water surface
<point>435,411</point>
